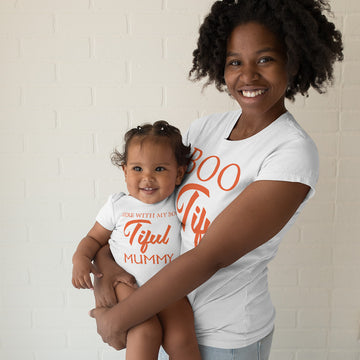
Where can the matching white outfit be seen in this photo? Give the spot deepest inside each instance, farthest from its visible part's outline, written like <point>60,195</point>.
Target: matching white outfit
<point>145,237</point>
<point>233,309</point>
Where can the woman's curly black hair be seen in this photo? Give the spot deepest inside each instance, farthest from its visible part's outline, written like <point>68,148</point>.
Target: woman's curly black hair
<point>312,42</point>
<point>159,131</point>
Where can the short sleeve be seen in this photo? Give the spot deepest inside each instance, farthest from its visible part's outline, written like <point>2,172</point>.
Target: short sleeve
<point>294,161</point>
<point>107,214</point>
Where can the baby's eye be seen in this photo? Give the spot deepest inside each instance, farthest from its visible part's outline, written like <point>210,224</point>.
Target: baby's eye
<point>137,168</point>
<point>160,168</point>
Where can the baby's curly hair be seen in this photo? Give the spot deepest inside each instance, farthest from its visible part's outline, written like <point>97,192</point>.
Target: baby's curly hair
<point>312,42</point>
<point>159,131</point>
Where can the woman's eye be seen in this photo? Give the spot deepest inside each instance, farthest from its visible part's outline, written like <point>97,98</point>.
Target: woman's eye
<point>234,63</point>
<point>265,60</point>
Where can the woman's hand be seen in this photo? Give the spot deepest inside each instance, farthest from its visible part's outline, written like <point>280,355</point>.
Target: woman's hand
<point>104,287</point>
<point>107,329</point>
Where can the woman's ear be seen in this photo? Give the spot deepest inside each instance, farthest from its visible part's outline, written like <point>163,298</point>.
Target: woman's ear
<point>293,69</point>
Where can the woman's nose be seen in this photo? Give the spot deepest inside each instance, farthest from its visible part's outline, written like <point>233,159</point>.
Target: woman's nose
<point>249,73</point>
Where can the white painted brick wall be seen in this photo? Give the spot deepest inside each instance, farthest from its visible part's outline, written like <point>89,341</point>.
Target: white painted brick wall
<point>74,76</point>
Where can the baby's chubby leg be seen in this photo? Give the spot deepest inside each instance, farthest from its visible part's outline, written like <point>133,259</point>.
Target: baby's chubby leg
<point>179,331</point>
<point>143,341</point>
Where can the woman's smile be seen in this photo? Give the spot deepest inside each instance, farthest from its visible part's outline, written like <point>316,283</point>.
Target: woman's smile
<point>252,93</point>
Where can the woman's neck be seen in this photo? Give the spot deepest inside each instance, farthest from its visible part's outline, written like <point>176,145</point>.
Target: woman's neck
<point>248,125</point>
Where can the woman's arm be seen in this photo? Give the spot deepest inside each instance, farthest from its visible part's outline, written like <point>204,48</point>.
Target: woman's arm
<point>253,218</point>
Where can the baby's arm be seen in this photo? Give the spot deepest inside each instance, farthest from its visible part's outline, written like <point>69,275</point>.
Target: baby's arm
<point>85,253</point>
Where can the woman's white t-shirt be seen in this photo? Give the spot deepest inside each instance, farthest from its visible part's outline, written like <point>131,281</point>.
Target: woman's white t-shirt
<point>233,309</point>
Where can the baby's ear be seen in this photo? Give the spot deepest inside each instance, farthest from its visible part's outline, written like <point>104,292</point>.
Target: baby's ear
<point>124,167</point>
<point>180,174</point>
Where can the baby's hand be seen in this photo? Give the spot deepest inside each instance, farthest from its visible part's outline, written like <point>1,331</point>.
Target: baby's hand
<point>82,267</point>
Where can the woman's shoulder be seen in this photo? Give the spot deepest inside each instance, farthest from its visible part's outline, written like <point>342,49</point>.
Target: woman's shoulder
<point>291,131</point>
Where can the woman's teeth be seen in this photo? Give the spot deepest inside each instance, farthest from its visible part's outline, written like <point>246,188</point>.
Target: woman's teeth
<point>251,94</point>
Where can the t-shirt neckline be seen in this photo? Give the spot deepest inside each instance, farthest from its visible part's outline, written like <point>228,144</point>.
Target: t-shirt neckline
<point>233,121</point>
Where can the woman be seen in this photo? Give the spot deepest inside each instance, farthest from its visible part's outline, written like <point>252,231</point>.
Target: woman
<point>252,171</point>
